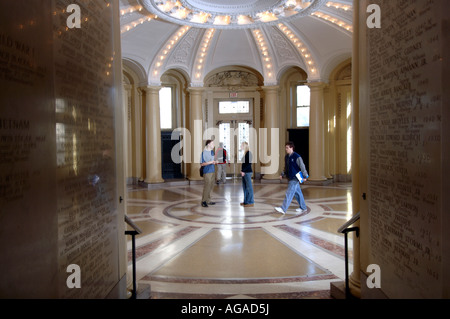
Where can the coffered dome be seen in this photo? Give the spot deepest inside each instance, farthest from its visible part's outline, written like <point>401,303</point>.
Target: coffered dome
<point>232,14</point>
<point>197,37</point>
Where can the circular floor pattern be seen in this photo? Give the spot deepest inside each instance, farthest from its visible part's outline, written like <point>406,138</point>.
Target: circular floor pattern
<point>230,213</point>
<point>190,251</point>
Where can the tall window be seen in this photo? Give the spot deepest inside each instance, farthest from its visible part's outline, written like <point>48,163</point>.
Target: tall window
<point>303,105</point>
<point>165,107</point>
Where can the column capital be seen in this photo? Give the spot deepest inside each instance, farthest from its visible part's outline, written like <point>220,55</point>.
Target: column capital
<point>196,89</point>
<point>316,85</point>
<point>270,88</point>
<point>150,88</point>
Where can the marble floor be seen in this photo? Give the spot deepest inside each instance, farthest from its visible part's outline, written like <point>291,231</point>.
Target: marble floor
<point>228,251</point>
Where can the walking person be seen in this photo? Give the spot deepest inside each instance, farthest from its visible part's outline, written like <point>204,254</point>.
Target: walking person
<point>246,173</point>
<point>208,162</point>
<point>293,166</point>
<point>222,160</point>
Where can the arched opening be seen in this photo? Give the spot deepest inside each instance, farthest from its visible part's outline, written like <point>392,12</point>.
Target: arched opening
<point>233,112</point>
<point>173,99</point>
<point>338,127</point>
<point>292,82</point>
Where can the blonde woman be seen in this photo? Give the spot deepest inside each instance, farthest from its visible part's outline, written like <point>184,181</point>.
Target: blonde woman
<point>246,173</point>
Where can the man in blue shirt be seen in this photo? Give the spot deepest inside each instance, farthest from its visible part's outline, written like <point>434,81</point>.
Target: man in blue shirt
<point>208,162</point>
<point>293,165</point>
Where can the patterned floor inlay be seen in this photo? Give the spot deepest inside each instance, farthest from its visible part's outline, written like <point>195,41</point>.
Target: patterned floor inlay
<point>226,250</point>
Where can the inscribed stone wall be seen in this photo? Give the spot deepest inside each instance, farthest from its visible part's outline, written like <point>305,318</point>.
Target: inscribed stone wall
<point>405,153</point>
<point>57,143</point>
<point>85,147</point>
<point>27,188</point>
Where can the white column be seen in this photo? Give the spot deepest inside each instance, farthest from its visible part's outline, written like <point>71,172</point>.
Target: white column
<point>316,133</point>
<point>127,128</point>
<point>195,118</point>
<point>153,132</point>
<point>138,136</point>
<point>271,121</point>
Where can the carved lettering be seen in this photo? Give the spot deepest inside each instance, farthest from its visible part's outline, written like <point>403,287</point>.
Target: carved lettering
<point>405,112</point>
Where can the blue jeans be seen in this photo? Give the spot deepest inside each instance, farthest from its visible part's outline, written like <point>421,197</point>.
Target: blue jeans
<point>292,191</point>
<point>248,188</point>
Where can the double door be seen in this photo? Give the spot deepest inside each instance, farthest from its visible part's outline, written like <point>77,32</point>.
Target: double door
<point>232,133</point>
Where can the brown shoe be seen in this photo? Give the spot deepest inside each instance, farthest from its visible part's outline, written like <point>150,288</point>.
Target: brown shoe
<point>242,204</point>
<point>249,205</point>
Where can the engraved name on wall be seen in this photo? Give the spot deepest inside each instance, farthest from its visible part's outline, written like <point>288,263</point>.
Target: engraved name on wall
<point>85,155</point>
<point>405,140</point>
<point>27,199</point>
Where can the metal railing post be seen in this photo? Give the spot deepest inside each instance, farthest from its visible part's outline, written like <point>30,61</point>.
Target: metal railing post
<point>347,287</point>
<point>345,229</point>
<point>133,234</point>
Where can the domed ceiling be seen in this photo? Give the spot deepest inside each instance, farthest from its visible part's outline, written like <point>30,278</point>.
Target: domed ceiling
<point>197,37</point>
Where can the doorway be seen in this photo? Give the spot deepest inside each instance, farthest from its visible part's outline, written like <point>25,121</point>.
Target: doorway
<point>232,133</point>
<point>300,137</point>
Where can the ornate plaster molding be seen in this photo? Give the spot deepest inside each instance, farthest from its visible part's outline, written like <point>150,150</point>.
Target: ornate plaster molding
<point>232,14</point>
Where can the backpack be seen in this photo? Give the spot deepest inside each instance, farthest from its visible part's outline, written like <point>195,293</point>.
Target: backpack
<point>201,167</point>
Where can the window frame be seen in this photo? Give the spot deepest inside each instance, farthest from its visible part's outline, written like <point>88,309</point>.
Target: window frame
<point>172,101</point>
<point>297,107</point>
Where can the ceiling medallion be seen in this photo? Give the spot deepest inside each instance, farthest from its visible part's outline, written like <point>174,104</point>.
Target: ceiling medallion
<point>233,14</point>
